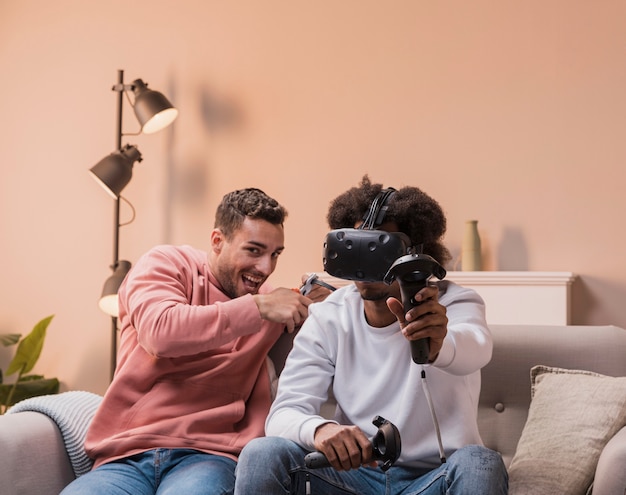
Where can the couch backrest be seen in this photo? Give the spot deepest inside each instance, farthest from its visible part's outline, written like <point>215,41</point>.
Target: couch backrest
<point>505,393</point>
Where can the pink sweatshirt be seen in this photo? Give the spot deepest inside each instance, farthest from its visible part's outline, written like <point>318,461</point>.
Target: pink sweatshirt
<point>191,367</point>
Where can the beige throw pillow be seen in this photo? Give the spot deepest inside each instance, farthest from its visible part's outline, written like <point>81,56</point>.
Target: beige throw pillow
<point>572,415</point>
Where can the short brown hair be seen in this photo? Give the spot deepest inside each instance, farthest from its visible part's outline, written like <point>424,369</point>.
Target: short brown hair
<point>251,203</point>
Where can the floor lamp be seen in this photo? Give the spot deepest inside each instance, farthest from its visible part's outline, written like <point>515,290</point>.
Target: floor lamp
<point>154,112</point>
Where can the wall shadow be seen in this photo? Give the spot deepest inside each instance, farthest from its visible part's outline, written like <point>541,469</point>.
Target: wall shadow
<point>512,253</point>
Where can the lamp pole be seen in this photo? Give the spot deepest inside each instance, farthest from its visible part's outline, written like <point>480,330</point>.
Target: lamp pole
<point>116,216</point>
<point>113,172</point>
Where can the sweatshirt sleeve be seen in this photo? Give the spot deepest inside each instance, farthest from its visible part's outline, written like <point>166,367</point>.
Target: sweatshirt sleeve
<point>304,384</point>
<point>468,345</point>
<point>165,298</point>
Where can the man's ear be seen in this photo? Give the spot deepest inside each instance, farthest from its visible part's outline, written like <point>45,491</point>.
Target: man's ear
<point>217,240</point>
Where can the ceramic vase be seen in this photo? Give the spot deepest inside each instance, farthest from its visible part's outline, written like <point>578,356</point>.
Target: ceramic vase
<point>471,259</point>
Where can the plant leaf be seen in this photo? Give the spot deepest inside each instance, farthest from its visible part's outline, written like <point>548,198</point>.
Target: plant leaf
<point>8,339</point>
<point>29,349</point>
<point>25,390</point>
<point>30,378</point>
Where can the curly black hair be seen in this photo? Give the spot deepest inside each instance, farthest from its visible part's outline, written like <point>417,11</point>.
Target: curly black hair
<point>414,212</point>
<point>251,203</point>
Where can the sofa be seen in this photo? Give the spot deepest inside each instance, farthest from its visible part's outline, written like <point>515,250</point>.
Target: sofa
<point>573,370</point>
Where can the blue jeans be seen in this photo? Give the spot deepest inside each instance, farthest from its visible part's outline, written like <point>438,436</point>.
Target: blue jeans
<point>159,471</point>
<point>275,466</point>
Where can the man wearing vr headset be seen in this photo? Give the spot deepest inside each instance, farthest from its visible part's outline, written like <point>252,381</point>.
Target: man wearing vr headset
<point>356,345</point>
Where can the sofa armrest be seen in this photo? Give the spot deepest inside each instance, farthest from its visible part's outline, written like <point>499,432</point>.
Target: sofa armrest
<point>610,478</point>
<point>33,459</point>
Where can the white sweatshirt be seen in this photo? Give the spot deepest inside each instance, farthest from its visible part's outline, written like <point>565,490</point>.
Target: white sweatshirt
<point>369,372</point>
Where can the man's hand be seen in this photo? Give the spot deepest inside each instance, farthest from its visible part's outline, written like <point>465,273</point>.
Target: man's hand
<point>345,447</point>
<point>283,306</point>
<point>426,320</point>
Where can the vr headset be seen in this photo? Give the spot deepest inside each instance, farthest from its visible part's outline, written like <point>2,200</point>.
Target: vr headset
<point>363,255</point>
<point>366,254</point>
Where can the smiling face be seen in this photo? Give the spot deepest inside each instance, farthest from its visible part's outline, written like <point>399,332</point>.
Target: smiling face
<point>243,262</point>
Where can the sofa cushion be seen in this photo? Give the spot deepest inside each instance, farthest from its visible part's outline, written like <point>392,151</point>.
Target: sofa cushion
<point>572,416</point>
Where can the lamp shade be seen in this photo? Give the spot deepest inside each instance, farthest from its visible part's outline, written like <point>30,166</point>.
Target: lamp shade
<point>153,110</point>
<point>114,171</point>
<point>109,301</point>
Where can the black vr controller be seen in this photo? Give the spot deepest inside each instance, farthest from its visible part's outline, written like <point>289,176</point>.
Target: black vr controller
<point>386,445</point>
<point>412,272</point>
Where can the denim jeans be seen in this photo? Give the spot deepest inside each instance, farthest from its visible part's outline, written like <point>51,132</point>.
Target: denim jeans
<point>275,466</point>
<point>160,471</point>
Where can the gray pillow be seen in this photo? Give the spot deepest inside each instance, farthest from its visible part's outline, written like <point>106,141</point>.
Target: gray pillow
<point>572,415</point>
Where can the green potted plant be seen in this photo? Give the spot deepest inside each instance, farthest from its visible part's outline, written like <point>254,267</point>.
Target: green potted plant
<point>26,356</point>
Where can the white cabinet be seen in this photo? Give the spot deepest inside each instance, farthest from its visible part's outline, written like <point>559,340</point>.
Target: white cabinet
<point>533,298</point>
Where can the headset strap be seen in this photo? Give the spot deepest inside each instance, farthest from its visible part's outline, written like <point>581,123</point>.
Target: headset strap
<point>377,210</point>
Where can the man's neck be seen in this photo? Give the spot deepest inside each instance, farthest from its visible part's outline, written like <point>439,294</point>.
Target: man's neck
<point>377,314</point>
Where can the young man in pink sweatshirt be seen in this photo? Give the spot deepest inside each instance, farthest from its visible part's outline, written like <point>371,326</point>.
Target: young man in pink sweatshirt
<point>191,386</point>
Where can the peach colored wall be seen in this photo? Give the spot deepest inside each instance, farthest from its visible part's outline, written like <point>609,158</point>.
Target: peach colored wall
<point>513,113</point>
